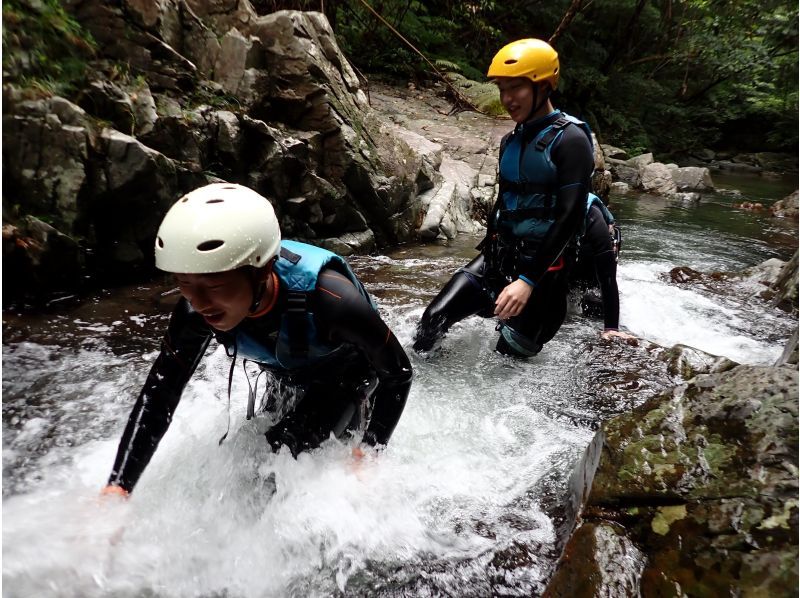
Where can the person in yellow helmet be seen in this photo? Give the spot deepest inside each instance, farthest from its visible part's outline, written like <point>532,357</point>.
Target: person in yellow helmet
<point>545,171</point>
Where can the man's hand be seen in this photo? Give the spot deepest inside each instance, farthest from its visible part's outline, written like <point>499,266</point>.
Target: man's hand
<point>624,336</point>
<point>112,490</point>
<point>512,299</point>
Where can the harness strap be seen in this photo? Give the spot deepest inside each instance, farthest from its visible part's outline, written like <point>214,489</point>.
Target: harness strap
<point>527,187</point>
<point>548,137</point>
<point>252,391</point>
<point>542,213</point>
<point>297,323</point>
<point>230,383</point>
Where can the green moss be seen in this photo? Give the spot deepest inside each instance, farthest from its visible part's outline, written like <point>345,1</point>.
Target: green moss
<point>780,519</point>
<point>718,454</point>
<point>44,47</point>
<point>665,517</point>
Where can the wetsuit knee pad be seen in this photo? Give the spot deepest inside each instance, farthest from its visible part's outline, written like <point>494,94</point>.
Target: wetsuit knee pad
<point>512,342</point>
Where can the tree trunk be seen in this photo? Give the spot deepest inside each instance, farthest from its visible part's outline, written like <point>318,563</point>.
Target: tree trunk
<point>623,38</point>
<point>574,9</point>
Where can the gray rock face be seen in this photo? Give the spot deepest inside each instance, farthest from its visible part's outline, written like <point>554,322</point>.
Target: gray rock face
<point>215,92</point>
<point>45,159</point>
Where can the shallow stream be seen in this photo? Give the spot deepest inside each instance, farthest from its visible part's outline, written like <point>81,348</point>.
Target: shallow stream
<point>466,500</point>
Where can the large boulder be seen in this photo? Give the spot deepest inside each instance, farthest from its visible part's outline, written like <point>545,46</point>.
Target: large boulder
<point>657,178</point>
<point>692,178</point>
<point>694,493</point>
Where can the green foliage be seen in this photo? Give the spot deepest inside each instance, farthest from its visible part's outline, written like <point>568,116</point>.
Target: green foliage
<point>656,75</point>
<point>43,46</point>
<point>483,95</point>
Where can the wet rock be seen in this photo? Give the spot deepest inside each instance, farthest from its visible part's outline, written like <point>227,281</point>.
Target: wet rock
<point>692,178</point>
<point>624,173</point>
<point>602,182</point>
<point>599,561</point>
<point>776,162</point>
<point>620,187</point>
<point>641,161</point>
<point>657,178</point>
<point>34,255</point>
<point>789,355</point>
<point>766,273</point>
<point>786,285</point>
<point>787,207</point>
<point>688,362</point>
<point>729,166</point>
<point>609,151</point>
<point>350,243</point>
<point>702,481</point>
<point>684,274</point>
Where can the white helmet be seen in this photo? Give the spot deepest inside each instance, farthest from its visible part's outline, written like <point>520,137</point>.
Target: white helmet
<point>217,228</point>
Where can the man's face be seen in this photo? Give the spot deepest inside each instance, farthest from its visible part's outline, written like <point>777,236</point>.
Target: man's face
<point>517,95</point>
<point>222,298</point>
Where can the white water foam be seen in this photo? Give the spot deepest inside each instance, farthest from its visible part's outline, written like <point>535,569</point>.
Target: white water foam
<point>203,520</point>
<point>681,314</point>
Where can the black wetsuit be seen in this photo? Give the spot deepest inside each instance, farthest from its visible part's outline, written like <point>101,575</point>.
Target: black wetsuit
<point>474,288</point>
<point>597,264</point>
<point>328,396</point>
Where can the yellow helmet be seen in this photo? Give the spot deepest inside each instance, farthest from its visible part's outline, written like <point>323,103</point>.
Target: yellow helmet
<point>531,58</point>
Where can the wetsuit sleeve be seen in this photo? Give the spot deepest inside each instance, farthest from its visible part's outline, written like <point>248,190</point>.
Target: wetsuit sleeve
<point>347,316</point>
<point>572,156</point>
<point>599,241</point>
<point>183,345</point>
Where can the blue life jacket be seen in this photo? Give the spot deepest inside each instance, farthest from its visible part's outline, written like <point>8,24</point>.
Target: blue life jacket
<point>298,344</point>
<point>592,199</point>
<point>528,179</point>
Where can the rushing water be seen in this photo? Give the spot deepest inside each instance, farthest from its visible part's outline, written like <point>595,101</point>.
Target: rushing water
<point>464,501</point>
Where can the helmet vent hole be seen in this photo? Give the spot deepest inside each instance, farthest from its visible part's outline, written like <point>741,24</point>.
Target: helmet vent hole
<point>215,201</point>
<point>160,242</point>
<point>555,71</point>
<point>258,258</point>
<point>184,199</point>
<point>229,187</point>
<point>511,61</point>
<point>210,245</point>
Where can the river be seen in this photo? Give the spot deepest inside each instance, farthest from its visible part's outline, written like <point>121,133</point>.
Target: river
<point>466,500</point>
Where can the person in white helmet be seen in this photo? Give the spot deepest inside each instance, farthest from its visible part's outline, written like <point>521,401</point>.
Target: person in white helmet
<point>296,310</point>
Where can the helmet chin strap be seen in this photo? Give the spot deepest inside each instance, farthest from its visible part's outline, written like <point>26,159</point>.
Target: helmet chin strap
<point>258,294</point>
<point>537,106</point>
<point>260,286</point>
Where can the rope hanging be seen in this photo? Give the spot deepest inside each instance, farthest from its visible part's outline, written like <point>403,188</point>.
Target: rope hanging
<point>461,102</point>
